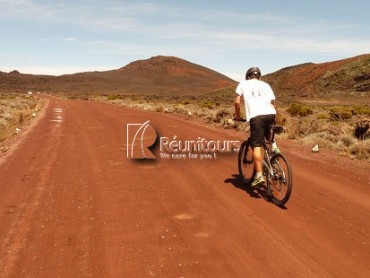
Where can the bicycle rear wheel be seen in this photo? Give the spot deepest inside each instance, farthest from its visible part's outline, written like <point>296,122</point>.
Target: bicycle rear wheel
<point>245,162</point>
<point>280,183</point>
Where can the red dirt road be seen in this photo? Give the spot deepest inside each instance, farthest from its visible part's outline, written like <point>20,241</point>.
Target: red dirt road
<point>73,205</point>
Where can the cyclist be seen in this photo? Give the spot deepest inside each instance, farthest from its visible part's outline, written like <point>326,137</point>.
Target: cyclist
<point>259,100</point>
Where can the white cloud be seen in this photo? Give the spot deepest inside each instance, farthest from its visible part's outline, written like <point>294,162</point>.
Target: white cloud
<point>137,29</point>
<point>14,2</point>
<point>66,39</point>
<point>52,70</point>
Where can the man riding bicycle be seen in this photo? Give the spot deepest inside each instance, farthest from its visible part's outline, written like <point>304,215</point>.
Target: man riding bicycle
<point>259,100</point>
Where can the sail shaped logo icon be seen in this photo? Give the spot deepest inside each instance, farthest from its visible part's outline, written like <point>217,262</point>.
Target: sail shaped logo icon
<point>140,137</point>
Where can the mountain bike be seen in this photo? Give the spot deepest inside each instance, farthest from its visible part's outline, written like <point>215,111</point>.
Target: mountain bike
<point>276,169</point>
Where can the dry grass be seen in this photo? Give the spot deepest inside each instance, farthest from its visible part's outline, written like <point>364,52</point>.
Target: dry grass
<point>329,126</point>
<point>16,111</point>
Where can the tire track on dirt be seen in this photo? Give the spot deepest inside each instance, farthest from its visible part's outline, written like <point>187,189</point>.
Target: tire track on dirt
<point>96,213</point>
<point>35,173</point>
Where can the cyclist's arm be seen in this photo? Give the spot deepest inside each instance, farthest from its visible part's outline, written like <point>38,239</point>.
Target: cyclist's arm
<point>273,102</point>
<point>237,107</point>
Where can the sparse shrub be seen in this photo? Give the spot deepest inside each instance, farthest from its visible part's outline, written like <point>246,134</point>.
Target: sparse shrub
<point>298,109</point>
<point>361,110</point>
<point>335,123</point>
<point>7,116</point>
<point>206,104</point>
<point>281,116</point>
<point>159,109</point>
<point>302,127</point>
<point>361,128</point>
<point>329,126</point>
<point>185,102</point>
<point>361,150</point>
<point>209,118</point>
<point>15,112</point>
<point>322,116</point>
<point>3,123</point>
<point>20,118</point>
<point>113,97</point>
<point>179,109</point>
<point>347,140</point>
<point>2,135</point>
<point>220,115</point>
<point>84,97</point>
<point>340,115</point>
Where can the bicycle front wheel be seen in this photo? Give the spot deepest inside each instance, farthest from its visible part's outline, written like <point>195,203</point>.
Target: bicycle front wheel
<point>245,162</point>
<point>280,183</point>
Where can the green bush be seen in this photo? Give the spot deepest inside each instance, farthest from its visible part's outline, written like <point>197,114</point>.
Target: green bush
<point>159,109</point>
<point>360,151</point>
<point>340,114</point>
<point>206,104</point>
<point>113,97</point>
<point>298,109</point>
<point>20,118</point>
<point>185,102</point>
<point>220,115</point>
<point>361,110</point>
<point>322,116</point>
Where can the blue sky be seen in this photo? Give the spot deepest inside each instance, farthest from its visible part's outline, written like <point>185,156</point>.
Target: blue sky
<point>58,37</point>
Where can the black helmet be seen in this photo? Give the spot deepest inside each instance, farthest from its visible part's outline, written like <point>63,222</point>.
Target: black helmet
<point>253,71</point>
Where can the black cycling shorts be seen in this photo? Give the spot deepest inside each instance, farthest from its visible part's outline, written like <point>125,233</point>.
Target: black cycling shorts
<point>260,126</point>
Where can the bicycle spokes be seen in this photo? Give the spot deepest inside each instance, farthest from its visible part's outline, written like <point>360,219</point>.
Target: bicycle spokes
<point>280,182</point>
<point>245,162</point>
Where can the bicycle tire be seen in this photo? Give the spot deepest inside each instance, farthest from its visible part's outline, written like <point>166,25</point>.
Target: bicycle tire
<point>280,184</point>
<point>246,163</point>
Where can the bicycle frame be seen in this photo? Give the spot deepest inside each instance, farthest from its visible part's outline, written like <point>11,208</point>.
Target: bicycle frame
<point>267,161</point>
<point>275,166</point>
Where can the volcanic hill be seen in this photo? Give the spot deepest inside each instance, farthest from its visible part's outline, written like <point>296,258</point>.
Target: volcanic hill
<point>164,75</point>
<point>160,75</point>
<point>347,77</point>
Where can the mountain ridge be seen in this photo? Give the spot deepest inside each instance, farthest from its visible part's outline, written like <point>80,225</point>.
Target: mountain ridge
<point>169,75</point>
<point>157,75</point>
<point>350,76</point>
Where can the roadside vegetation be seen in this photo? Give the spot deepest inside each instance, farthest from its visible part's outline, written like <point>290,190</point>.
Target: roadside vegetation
<point>343,128</point>
<point>337,127</point>
<point>16,111</point>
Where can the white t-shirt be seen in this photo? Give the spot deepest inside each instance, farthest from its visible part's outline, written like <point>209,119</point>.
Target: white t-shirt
<point>257,96</point>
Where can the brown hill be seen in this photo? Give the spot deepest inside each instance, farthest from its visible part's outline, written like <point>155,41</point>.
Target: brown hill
<point>159,75</point>
<point>163,75</point>
<point>347,77</point>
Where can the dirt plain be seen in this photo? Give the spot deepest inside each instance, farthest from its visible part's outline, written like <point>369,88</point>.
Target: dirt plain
<point>73,205</point>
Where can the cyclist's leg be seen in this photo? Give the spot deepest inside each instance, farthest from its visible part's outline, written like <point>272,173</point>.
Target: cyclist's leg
<point>258,157</point>
<point>257,141</point>
<point>268,120</point>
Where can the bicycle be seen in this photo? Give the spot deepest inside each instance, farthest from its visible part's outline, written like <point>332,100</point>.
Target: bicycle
<point>276,169</point>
